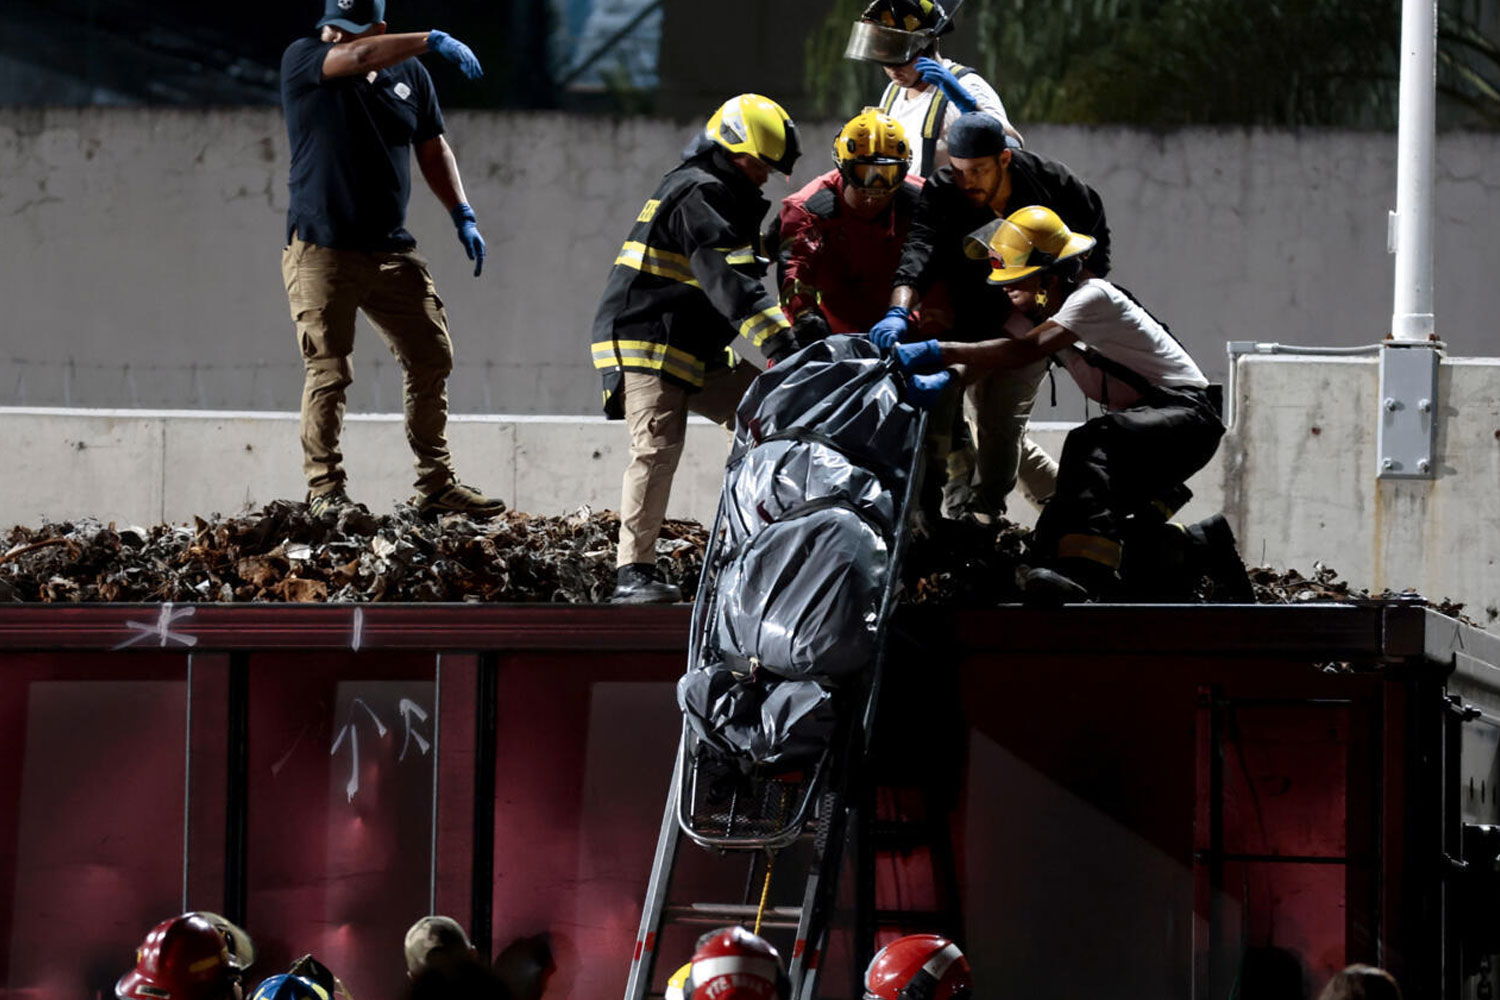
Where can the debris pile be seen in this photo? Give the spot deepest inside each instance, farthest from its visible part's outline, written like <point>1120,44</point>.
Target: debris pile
<point>1274,586</point>
<point>283,553</point>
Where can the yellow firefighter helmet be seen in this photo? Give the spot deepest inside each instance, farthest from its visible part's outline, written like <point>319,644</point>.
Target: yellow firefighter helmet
<point>872,151</point>
<point>750,123</point>
<point>1029,240</point>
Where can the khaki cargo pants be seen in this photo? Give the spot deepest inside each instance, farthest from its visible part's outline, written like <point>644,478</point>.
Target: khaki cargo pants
<point>325,289</point>
<point>997,409</point>
<point>656,414</point>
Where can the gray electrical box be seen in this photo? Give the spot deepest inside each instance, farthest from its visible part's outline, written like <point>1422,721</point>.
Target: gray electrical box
<point>1406,442</point>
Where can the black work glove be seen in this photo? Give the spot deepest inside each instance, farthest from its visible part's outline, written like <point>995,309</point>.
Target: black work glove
<point>810,327</point>
<point>779,347</point>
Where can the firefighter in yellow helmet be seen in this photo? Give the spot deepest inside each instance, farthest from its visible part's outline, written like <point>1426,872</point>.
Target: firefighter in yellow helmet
<point>685,284</point>
<point>1161,423</point>
<point>838,240</point>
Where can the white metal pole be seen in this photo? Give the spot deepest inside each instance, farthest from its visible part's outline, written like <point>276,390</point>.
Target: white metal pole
<point>1411,223</point>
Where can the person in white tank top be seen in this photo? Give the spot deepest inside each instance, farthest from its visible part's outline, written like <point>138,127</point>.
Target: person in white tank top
<point>1161,422</point>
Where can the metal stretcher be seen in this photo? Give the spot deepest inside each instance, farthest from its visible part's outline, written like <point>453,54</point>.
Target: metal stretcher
<point>802,816</point>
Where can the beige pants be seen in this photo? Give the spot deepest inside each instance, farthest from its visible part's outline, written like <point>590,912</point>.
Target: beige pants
<point>656,414</point>
<point>326,288</point>
<point>998,409</point>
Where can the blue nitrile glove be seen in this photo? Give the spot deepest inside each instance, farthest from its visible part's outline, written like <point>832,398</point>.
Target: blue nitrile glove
<point>923,390</point>
<point>890,329</point>
<point>942,77</point>
<point>918,356</point>
<point>459,54</point>
<point>468,234</point>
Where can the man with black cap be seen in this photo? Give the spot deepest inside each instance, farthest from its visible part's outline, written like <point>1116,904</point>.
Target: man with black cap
<point>985,179</point>
<point>357,104</point>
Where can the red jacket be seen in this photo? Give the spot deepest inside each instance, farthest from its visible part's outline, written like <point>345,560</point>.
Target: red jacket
<point>830,258</point>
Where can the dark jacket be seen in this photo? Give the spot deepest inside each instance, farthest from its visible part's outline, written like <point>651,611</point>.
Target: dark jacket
<point>944,218</point>
<point>687,280</point>
<point>461,980</point>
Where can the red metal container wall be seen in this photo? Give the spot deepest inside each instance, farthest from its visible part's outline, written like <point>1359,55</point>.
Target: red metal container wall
<point>340,818</point>
<point>91,816</point>
<point>584,756</point>
<point>1075,811</point>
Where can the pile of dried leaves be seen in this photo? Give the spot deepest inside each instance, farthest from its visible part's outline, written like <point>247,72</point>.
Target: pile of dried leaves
<point>284,554</point>
<point>1291,587</point>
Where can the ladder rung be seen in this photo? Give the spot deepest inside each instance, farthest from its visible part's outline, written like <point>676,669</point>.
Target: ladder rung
<point>718,914</point>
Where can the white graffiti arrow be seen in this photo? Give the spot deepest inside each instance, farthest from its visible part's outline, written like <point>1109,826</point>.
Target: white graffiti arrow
<point>353,734</point>
<point>408,708</point>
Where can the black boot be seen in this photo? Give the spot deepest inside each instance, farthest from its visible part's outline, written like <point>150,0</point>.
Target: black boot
<point>637,583</point>
<point>1219,557</point>
<point>1068,581</point>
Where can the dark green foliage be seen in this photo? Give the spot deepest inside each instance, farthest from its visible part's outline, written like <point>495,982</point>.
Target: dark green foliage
<point>1286,63</point>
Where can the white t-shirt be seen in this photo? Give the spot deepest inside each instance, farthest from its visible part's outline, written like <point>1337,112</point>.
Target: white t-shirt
<point>1103,318</point>
<point>911,112</point>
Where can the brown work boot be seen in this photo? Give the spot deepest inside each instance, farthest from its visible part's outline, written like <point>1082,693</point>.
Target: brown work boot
<point>456,498</point>
<point>329,505</point>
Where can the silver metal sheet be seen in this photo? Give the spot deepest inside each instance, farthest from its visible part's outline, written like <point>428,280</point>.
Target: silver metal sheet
<point>1406,440</point>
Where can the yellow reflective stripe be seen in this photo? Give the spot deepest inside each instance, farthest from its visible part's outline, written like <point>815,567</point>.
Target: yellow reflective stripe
<point>646,354</point>
<point>739,255</point>
<point>661,263</point>
<point>764,323</point>
<point>933,123</point>
<point>1096,548</point>
<point>888,99</point>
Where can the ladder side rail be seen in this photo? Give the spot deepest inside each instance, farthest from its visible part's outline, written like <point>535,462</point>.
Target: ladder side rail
<point>643,960</point>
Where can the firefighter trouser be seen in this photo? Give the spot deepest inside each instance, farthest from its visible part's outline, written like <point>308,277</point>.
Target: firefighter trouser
<point>1116,463</point>
<point>998,408</point>
<point>656,414</point>
<point>325,289</point>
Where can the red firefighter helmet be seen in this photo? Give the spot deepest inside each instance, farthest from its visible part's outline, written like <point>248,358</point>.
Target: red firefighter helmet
<point>184,958</point>
<point>733,964</point>
<point>919,967</point>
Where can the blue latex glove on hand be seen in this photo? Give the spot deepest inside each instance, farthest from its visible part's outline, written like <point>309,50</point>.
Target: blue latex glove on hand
<point>923,390</point>
<point>942,77</point>
<point>468,234</point>
<point>889,330</point>
<point>921,355</point>
<point>459,54</point>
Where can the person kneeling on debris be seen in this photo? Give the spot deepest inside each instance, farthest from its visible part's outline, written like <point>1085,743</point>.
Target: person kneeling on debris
<point>686,282</point>
<point>1161,422</point>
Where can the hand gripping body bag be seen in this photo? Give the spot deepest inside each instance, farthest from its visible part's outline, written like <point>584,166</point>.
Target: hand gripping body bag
<point>841,391</point>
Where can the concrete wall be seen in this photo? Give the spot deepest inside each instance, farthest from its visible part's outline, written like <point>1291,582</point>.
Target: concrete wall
<point>1296,473</point>
<point>1299,477</point>
<point>148,466</point>
<point>141,261</point>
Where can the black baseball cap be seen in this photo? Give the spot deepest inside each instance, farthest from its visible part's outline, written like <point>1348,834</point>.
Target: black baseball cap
<point>353,15</point>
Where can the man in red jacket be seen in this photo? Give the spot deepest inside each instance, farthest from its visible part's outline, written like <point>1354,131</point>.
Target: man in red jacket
<point>839,239</point>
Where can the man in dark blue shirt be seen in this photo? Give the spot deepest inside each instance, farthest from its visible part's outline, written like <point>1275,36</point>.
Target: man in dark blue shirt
<point>357,104</point>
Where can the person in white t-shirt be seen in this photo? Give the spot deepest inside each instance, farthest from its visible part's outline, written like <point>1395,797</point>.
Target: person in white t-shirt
<point>1161,422</point>
<point>927,91</point>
